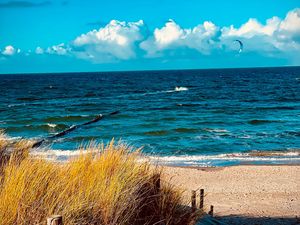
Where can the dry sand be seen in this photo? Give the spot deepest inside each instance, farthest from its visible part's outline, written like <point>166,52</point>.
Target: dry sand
<point>246,191</point>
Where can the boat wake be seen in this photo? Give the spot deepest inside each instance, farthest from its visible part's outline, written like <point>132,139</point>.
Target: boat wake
<point>176,89</point>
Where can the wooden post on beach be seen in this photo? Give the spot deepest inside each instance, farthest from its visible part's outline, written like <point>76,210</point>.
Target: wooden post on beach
<point>211,212</point>
<point>55,220</point>
<point>193,201</point>
<point>201,198</point>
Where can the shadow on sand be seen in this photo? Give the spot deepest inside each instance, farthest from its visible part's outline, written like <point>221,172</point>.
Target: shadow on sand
<point>244,220</point>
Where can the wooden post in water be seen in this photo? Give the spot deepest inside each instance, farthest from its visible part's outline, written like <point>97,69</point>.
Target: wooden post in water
<point>55,220</point>
<point>193,201</point>
<point>211,212</point>
<point>201,198</point>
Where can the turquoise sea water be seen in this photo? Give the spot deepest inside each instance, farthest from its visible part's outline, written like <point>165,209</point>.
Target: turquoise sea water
<point>191,117</point>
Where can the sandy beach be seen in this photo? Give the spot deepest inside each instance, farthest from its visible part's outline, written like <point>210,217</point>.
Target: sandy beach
<point>252,193</point>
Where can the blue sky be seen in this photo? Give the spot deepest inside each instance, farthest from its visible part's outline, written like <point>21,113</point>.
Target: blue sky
<point>66,36</point>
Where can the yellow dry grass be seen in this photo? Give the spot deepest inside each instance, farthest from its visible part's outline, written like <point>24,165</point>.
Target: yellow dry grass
<point>106,185</point>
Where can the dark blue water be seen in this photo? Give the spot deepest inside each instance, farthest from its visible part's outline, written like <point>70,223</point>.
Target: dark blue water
<point>212,113</point>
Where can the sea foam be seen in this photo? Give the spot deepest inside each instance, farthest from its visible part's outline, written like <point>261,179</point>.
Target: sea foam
<point>288,157</point>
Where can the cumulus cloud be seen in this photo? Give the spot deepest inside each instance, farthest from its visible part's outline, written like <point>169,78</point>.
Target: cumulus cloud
<point>289,28</point>
<point>10,50</point>
<point>202,38</point>
<point>39,50</point>
<point>275,35</point>
<point>120,40</point>
<point>117,40</point>
<point>60,49</point>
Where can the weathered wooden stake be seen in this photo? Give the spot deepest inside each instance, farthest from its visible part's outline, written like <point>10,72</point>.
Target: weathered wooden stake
<point>193,200</point>
<point>55,220</point>
<point>201,198</point>
<point>211,212</point>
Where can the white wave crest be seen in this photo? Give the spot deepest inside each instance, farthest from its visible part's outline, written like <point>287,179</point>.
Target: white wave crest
<point>181,89</point>
<point>223,159</point>
<point>216,130</point>
<point>17,104</point>
<point>52,125</point>
<point>285,157</point>
<point>56,155</point>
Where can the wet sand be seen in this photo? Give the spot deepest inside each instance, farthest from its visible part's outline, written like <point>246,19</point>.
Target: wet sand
<point>247,191</point>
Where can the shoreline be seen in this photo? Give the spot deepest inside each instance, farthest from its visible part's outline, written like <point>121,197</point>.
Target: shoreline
<point>245,191</point>
<point>221,167</point>
<point>289,157</point>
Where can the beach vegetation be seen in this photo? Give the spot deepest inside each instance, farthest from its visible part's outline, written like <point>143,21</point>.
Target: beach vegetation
<point>105,184</point>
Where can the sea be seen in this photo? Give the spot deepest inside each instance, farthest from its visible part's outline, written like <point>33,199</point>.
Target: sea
<point>212,117</point>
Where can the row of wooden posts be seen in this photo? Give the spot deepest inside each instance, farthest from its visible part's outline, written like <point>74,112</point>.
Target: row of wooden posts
<point>58,220</point>
<point>201,203</point>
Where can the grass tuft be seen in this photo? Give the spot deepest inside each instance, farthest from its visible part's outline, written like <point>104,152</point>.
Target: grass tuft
<point>106,185</point>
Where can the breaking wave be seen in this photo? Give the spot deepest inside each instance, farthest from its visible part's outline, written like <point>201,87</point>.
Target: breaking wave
<point>52,125</point>
<point>253,157</point>
<point>181,89</point>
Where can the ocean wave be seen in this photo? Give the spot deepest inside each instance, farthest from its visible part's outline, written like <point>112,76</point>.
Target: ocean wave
<point>257,121</point>
<point>181,89</point>
<point>216,130</point>
<point>244,136</point>
<point>276,108</point>
<point>28,99</point>
<point>156,133</point>
<point>292,133</point>
<point>80,139</point>
<point>225,159</point>
<point>12,139</point>
<point>188,104</point>
<point>17,104</point>
<point>270,157</point>
<point>52,125</point>
<point>176,89</point>
<point>185,130</point>
<point>56,155</point>
<point>293,152</point>
<point>69,118</point>
<point>36,127</point>
<point>166,108</point>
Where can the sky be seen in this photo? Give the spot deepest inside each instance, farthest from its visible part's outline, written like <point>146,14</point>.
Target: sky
<point>38,36</point>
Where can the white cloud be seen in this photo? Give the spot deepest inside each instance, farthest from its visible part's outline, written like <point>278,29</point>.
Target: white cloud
<point>39,50</point>
<point>171,32</point>
<point>117,40</point>
<point>252,28</point>
<point>275,35</point>
<point>60,49</point>
<point>291,23</point>
<point>128,40</point>
<point>10,50</point>
<point>201,38</point>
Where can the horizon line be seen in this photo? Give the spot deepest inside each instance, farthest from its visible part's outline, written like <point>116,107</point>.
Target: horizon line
<point>148,70</point>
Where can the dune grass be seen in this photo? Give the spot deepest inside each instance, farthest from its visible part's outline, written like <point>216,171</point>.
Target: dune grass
<point>106,185</point>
